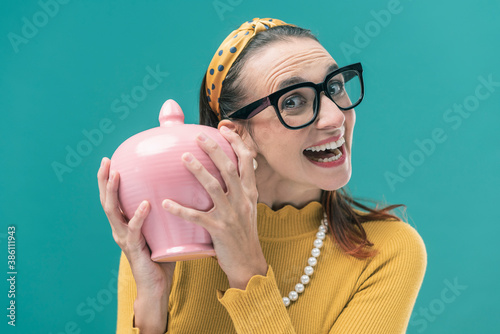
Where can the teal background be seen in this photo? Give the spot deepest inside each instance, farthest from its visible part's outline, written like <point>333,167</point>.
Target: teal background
<point>64,80</point>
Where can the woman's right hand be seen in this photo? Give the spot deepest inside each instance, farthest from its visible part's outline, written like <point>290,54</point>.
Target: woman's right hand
<point>151,278</point>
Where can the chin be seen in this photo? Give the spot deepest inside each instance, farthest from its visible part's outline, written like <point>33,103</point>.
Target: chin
<point>337,182</point>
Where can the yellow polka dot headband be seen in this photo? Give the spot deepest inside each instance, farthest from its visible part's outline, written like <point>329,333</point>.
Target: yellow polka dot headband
<point>227,53</point>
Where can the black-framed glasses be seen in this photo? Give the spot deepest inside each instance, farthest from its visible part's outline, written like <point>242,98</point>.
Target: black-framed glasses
<point>297,106</point>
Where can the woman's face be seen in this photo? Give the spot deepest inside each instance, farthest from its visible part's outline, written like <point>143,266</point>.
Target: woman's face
<point>284,166</point>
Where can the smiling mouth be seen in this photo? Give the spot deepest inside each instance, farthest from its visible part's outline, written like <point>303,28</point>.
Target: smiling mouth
<point>326,153</point>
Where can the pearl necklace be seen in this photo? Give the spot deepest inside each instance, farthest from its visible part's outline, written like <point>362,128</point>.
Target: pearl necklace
<point>308,270</point>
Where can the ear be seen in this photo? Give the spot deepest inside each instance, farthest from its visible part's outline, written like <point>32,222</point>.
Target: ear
<point>242,132</point>
<point>230,125</point>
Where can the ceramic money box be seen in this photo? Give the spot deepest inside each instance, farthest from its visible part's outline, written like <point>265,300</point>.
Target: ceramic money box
<point>151,169</point>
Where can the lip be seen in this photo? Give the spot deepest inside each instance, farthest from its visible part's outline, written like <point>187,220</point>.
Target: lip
<point>327,140</point>
<point>332,163</point>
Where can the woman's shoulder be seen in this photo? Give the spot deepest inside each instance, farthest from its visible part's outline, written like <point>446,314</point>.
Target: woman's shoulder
<point>393,233</point>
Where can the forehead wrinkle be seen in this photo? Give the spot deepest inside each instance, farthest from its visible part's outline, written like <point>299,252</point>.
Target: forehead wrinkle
<point>287,66</point>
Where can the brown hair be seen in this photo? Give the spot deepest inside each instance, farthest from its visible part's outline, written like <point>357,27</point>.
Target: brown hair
<point>347,230</point>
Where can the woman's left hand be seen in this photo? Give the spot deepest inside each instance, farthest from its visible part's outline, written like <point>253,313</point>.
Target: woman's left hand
<point>232,222</point>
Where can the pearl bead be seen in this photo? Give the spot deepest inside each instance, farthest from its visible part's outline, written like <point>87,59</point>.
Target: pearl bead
<point>318,243</point>
<point>308,270</point>
<point>312,261</point>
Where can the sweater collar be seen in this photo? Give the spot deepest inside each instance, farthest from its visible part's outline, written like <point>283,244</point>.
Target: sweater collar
<point>288,221</point>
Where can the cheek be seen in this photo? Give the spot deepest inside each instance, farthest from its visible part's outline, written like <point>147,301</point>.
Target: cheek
<point>266,128</point>
<point>350,118</point>
<point>350,121</point>
<point>270,143</point>
<point>275,142</point>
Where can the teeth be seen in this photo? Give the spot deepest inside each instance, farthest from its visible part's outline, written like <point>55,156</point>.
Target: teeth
<point>335,157</point>
<point>329,146</point>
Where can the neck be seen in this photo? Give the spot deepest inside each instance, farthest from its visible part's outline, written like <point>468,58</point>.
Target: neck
<point>276,191</point>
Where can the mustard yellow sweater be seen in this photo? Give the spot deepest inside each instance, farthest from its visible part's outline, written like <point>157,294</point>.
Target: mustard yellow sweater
<point>345,294</point>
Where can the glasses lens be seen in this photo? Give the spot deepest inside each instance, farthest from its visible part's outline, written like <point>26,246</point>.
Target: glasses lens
<point>345,88</point>
<point>297,106</point>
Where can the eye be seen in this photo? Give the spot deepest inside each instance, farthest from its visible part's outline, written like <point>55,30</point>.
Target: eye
<point>335,88</point>
<point>297,102</point>
<point>293,102</point>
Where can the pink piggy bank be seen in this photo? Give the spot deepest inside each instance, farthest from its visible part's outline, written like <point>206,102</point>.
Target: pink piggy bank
<point>151,169</point>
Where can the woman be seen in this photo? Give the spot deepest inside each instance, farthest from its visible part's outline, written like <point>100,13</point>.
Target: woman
<point>293,254</point>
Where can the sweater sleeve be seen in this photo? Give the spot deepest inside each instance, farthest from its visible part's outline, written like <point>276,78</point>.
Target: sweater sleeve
<point>390,285</point>
<point>127,293</point>
<point>259,308</point>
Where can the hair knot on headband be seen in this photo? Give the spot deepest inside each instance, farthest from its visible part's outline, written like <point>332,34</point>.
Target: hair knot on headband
<point>227,53</point>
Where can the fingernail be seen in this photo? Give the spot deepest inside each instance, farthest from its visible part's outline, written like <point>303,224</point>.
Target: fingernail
<point>102,162</point>
<point>187,157</point>
<point>113,175</point>
<point>201,137</point>
<point>166,204</point>
<point>143,206</point>
<point>224,129</point>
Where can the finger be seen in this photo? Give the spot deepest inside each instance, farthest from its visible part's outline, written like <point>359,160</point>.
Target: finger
<point>245,159</point>
<point>207,180</point>
<point>102,179</point>
<point>135,224</point>
<point>111,206</point>
<point>188,214</point>
<point>226,167</point>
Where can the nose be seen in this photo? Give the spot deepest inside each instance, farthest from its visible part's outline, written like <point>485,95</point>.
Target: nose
<point>329,115</point>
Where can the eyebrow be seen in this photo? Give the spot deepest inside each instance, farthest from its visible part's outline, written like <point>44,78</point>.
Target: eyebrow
<point>294,80</point>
